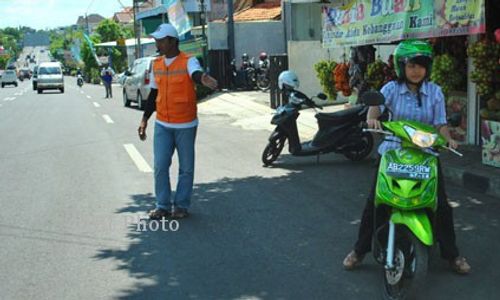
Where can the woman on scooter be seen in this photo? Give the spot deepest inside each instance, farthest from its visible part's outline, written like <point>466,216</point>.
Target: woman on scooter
<point>412,97</point>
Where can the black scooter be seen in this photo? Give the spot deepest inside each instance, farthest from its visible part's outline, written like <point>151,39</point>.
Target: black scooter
<point>339,132</point>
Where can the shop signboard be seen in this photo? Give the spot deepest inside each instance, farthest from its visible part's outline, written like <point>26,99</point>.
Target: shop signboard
<point>363,22</point>
<point>491,142</point>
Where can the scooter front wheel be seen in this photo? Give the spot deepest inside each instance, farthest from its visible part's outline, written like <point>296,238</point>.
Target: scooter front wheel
<point>407,278</point>
<point>273,150</point>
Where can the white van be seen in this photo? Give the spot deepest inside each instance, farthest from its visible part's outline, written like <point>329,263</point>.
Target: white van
<point>50,77</point>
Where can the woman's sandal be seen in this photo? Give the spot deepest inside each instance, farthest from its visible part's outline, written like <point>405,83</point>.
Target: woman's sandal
<point>158,214</point>
<point>460,265</point>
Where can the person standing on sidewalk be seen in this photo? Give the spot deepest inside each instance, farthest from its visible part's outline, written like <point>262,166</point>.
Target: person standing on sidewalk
<point>107,78</point>
<point>173,96</point>
<point>412,97</point>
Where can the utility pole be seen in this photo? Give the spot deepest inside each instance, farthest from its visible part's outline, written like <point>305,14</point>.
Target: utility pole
<point>230,28</point>
<point>204,37</point>
<point>137,32</point>
<point>87,21</point>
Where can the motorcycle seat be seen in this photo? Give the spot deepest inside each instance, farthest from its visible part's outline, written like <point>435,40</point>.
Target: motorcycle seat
<point>341,116</point>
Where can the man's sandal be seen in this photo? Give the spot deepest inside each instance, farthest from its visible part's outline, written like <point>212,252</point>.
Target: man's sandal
<point>180,213</point>
<point>159,213</point>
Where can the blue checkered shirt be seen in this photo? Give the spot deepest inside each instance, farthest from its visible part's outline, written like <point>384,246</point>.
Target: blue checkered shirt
<point>404,105</point>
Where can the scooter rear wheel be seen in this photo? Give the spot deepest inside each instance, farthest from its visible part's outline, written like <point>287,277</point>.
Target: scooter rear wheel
<point>273,150</point>
<point>362,148</point>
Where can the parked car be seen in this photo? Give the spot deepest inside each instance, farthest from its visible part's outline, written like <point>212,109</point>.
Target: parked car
<point>9,78</point>
<point>136,84</point>
<point>50,77</point>
<point>35,77</point>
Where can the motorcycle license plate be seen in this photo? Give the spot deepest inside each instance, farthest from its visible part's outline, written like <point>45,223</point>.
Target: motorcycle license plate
<point>408,171</point>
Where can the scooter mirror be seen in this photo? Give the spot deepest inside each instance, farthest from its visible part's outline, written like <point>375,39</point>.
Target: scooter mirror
<point>372,98</point>
<point>455,119</point>
<point>322,96</point>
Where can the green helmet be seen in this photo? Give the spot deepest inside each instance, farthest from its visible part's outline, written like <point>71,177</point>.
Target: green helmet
<point>410,49</point>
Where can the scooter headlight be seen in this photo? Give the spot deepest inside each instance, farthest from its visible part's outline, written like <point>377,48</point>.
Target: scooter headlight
<point>421,138</point>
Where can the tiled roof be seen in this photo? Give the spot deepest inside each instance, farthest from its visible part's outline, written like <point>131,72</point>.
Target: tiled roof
<point>259,12</point>
<point>123,17</point>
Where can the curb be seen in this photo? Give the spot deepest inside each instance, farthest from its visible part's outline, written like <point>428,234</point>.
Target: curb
<point>473,181</point>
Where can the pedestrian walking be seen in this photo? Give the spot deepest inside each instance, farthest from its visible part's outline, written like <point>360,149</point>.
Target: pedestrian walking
<point>107,79</point>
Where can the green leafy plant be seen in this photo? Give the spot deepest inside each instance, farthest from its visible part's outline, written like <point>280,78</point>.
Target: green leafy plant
<point>324,72</point>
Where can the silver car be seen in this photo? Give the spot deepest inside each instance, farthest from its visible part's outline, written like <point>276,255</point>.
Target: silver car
<point>136,84</point>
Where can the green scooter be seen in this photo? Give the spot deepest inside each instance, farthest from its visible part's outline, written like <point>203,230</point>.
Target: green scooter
<point>407,191</point>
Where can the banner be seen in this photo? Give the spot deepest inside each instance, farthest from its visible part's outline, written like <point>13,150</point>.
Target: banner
<point>177,16</point>
<point>363,22</point>
<point>92,49</point>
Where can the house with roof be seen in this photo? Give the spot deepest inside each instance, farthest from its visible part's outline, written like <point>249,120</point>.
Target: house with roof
<point>89,23</point>
<point>124,17</point>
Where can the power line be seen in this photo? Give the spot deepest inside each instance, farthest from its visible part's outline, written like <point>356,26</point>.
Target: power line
<point>91,2</point>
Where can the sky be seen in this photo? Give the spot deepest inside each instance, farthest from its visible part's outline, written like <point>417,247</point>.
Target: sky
<point>47,14</point>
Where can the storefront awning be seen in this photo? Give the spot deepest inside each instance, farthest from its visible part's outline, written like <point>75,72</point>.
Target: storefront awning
<point>161,9</point>
<point>128,42</point>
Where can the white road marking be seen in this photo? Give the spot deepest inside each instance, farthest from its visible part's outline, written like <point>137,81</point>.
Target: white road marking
<point>96,104</point>
<point>9,99</point>
<point>107,118</point>
<point>18,94</point>
<point>89,97</point>
<point>139,161</point>
<point>81,92</point>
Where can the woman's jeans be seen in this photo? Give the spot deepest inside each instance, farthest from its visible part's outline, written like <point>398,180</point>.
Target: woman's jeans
<point>445,231</point>
<point>166,140</point>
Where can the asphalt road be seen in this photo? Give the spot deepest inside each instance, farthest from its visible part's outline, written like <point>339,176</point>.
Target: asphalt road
<point>71,196</point>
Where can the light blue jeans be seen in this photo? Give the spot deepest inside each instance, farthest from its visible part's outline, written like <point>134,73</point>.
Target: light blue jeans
<point>166,140</point>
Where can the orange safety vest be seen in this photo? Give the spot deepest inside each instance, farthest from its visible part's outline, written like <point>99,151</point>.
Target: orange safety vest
<point>176,100</point>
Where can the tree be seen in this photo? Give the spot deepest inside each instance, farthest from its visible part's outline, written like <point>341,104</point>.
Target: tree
<point>109,30</point>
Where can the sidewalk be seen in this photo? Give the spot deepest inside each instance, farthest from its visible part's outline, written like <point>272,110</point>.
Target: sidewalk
<point>251,111</point>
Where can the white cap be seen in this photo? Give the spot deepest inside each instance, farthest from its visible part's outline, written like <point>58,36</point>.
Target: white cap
<point>165,30</point>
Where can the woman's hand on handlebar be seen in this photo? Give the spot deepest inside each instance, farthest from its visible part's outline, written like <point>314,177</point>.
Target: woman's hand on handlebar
<point>374,124</point>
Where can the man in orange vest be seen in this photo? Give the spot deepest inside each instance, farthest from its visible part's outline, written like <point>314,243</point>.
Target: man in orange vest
<point>173,96</point>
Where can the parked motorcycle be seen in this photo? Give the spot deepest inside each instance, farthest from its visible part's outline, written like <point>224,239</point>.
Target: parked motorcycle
<point>407,189</point>
<point>339,132</point>
<point>79,80</point>
<point>263,81</point>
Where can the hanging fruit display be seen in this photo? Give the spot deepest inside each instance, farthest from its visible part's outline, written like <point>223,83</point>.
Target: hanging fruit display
<point>379,73</point>
<point>445,73</point>
<point>492,109</point>
<point>485,55</point>
<point>324,70</point>
<point>341,78</point>
<point>375,74</point>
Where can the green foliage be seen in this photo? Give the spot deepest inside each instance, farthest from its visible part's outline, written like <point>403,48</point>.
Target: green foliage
<point>3,61</point>
<point>119,60</point>
<point>109,30</point>
<point>324,72</point>
<point>95,76</point>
